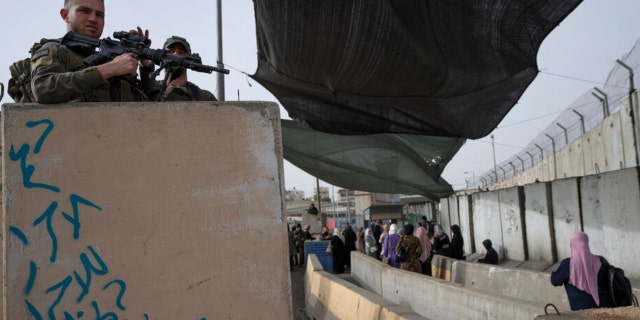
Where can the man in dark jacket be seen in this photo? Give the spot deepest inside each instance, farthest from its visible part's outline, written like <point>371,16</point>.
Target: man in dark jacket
<point>492,256</point>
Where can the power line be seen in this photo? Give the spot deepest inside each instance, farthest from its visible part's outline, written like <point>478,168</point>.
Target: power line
<point>578,79</point>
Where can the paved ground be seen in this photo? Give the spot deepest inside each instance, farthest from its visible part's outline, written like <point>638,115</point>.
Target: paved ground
<point>297,292</point>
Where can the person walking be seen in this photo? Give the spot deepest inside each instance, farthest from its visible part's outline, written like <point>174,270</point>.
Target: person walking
<point>371,249</point>
<point>390,243</point>
<point>361,245</point>
<point>441,242</point>
<point>414,250</point>
<point>425,244</point>
<point>338,251</point>
<point>350,239</point>
<point>457,243</point>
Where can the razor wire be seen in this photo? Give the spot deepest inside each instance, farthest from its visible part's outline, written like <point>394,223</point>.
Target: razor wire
<point>586,113</point>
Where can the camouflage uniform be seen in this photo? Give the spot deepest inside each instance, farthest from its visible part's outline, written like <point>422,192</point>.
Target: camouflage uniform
<point>59,74</point>
<point>155,89</point>
<point>190,92</point>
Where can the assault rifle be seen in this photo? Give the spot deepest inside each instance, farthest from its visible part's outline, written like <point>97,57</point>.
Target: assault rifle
<point>108,49</point>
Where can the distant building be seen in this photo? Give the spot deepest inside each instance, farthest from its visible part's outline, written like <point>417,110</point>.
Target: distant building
<point>294,195</point>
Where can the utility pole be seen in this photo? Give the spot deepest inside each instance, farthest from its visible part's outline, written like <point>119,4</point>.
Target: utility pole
<point>323,219</point>
<point>220,75</point>
<point>495,167</point>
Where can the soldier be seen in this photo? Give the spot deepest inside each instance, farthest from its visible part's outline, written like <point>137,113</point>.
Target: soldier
<point>60,75</point>
<point>175,86</point>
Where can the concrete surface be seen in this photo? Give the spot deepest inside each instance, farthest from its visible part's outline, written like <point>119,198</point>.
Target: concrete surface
<point>135,210</point>
<point>438,299</point>
<point>328,297</point>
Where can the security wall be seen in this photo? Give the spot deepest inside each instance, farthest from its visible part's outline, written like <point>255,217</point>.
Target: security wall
<point>605,206</point>
<point>144,211</point>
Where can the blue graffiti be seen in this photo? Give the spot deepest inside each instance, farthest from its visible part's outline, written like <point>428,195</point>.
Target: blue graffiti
<point>28,170</point>
<point>75,220</point>
<point>33,270</point>
<point>18,233</point>
<point>45,134</point>
<point>107,315</point>
<point>88,267</point>
<point>63,285</point>
<point>123,288</point>
<point>46,216</point>
<point>91,262</point>
<point>34,312</point>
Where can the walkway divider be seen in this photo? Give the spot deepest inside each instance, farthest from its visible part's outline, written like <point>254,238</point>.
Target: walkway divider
<point>328,297</point>
<point>436,298</point>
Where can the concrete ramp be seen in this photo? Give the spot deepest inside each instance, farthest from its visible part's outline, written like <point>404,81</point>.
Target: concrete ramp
<point>144,211</point>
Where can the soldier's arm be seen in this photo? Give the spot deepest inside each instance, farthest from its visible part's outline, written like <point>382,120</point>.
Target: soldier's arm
<point>52,82</point>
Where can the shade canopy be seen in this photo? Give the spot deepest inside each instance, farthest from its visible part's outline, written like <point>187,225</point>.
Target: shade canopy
<point>385,163</point>
<point>428,68</point>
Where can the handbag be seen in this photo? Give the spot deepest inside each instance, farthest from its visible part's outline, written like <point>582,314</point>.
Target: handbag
<point>329,249</point>
<point>402,253</point>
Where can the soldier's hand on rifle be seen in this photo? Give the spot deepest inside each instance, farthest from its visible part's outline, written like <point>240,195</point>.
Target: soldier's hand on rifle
<point>122,65</point>
<point>145,63</point>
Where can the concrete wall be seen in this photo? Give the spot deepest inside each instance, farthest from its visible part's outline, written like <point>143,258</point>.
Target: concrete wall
<point>465,206</point>
<point>538,213</point>
<point>611,213</point>
<point>566,214</point>
<point>512,223</point>
<point>605,206</point>
<point>144,210</point>
<point>607,147</point>
<point>487,223</point>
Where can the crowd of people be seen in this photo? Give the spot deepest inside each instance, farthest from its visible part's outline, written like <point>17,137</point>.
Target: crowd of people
<point>383,240</point>
<point>584,275</point>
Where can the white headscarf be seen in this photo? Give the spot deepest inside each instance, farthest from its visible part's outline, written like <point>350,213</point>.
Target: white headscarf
<point>393,228</point>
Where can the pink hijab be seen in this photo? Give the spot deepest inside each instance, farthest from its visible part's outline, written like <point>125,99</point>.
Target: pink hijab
<point>584,266</point>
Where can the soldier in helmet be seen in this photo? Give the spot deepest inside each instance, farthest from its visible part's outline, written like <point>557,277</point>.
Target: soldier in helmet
<point>175,86</point>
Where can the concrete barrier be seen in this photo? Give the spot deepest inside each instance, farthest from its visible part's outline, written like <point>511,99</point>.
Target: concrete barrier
<point>139,210</point>
<point>517,283</point>
<point>441,267</point>
<point>438,299</point>
<point>329,297</point>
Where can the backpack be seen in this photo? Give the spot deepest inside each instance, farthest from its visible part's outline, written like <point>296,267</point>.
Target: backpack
<point>19,87</point>
<point>620,290</point>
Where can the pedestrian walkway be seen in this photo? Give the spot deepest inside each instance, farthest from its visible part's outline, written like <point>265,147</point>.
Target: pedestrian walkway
<point>297,292</point>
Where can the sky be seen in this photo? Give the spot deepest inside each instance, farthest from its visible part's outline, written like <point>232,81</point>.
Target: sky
<point>577,55</point>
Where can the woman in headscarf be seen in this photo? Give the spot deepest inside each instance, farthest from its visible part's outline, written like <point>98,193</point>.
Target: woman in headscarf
<point>361,239</point>
<point>582,275</point>
<point>412,263</point>
<point>390,246</point>
<point>441,243</point>
<point>457,243</point>
<point>371,247</point>
<point>425,244</point>
<point>383,238</point>
<point>338,251</point>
